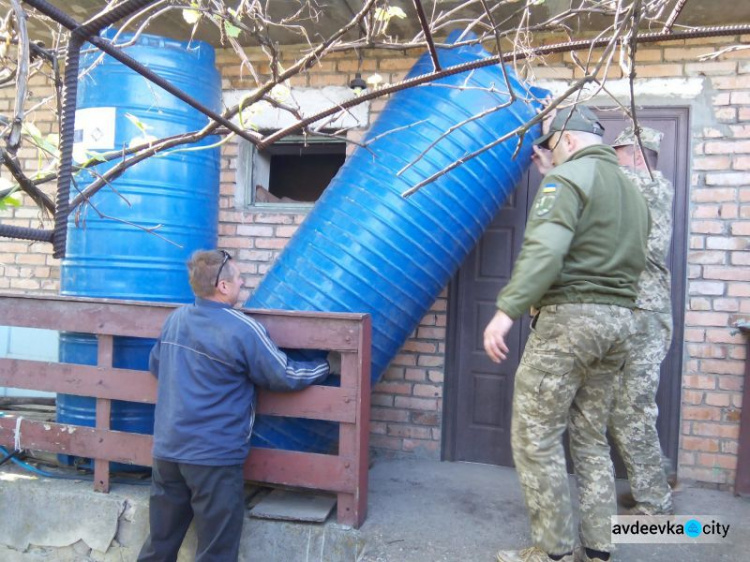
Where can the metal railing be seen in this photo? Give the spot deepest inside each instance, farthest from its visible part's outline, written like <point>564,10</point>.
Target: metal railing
<point>344,474</point>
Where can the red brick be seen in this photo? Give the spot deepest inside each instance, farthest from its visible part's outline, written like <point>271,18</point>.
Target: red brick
<point>709,68</point>
<point>698,242</point>
<point>740,132</point>
<point>726,147</point>
<point>710,257</point>
<point>706,212</point>
<point>706,319</point>
<point>411,403</point>
<point>427,361</point>
<point>741,228</point>
<point>381,399</point>
<point>714,288</point>
<point>731,83</point>
<point>702,413</point>
<point>726,114</point>
<point>425,418</point>
<point>705,382</point>
<point>693,397</point>
<point>722,367</point>
<point>415,375</point>
<point>415,445</point>
<point>409,432</point>
<point>716,460</point>
<point>378,428</point>
<point>718,399</point>
<point>726,305</point>
<point>387,387</point>
<point>738,289</point>
<point>700,304</point>
<point>716,430</point>
<point>728,382</point>
<point>700,444</point>
<point>705,475</point>
<point>725,273</point>
<point>436,376</point>
<point>420,346</point>
<point>707,227</point>
<point>738,352</point>
<point>727,178</point>
<point>714,195</point>
<point>694,335</point>
<point>706,350</point>
<point>727,243</point>
<point>272,218</point>
<point>385,442</point>
<point>729,211</point>
<point>712,163</point>
<point>428,390</point>
<point>723,335</point>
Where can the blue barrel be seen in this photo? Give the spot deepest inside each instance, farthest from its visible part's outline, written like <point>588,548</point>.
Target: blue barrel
<point>365,248</point>
<point>110,253</point>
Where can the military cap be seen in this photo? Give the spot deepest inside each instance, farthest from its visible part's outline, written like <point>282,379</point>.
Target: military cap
<point>574,118</point>
<point>651,138</point>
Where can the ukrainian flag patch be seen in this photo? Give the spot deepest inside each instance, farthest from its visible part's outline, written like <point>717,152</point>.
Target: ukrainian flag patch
<point>546,199</point>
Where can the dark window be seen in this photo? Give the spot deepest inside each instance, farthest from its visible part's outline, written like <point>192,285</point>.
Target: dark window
<point>292,171</point>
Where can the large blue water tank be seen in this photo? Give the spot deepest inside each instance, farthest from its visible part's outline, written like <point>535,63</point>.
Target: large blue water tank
<point>365,248</point>
<point>107,254</point>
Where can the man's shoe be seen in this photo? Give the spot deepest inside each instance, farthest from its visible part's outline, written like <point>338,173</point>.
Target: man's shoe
<point>640,509</point>
<point>582,556</point>
<point>626,500</point>
<point>532,554</point>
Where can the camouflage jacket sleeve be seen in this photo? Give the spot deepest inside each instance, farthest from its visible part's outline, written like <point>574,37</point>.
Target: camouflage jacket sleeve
<point>654,285</point>
<point>549,233</point>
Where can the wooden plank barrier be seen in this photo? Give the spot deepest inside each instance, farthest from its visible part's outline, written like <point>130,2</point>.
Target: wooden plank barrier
<point>344,473</point>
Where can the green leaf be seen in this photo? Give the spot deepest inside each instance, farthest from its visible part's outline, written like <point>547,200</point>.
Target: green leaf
<point>142,127</point>
<point>232,30</point>
<point>9,201</point>
<point>191,16</point>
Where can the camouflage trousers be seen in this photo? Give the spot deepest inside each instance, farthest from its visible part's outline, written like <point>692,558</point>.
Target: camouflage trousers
<point>634,413</point>
<point>566,380</point>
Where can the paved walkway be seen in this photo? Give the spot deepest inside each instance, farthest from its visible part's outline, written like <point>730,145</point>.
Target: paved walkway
<point>428,511</point>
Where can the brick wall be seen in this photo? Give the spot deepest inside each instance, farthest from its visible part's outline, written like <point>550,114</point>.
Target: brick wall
<point>407,403</point>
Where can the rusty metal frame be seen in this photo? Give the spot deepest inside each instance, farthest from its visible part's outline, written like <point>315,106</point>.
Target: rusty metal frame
<point>344,474</point>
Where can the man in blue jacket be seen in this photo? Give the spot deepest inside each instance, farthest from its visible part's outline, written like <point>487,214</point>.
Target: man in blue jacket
<point>208,360</point>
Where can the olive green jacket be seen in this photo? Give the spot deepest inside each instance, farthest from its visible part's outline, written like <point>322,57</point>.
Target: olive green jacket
<point>585,238</point>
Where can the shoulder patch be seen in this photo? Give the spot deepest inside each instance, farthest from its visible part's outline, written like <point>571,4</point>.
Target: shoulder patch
<point>546,199</point>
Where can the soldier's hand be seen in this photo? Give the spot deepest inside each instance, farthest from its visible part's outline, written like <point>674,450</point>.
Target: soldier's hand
<point>494,336</point>
<point>542,157</point>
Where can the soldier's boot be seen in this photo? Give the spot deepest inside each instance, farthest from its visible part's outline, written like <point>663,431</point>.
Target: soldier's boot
<point>582,556</point>
<point>532,554</point>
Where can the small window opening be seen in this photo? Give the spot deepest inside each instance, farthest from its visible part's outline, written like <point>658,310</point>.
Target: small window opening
<point>292,171</point>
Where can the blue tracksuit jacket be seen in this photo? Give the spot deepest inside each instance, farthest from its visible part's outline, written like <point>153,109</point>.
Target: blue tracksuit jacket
<point>208,360</point>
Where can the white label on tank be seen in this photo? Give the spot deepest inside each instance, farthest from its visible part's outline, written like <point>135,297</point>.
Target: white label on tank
<point>94,131</point>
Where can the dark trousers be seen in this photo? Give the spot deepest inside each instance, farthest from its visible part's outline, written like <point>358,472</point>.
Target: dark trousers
<point>214,495</point>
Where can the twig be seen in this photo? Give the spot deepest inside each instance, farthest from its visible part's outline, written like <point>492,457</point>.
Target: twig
<point>22,77</point>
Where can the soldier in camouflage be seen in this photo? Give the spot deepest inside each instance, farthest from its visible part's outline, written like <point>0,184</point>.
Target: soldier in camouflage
<point>583,251</point>
<point>633,421</point>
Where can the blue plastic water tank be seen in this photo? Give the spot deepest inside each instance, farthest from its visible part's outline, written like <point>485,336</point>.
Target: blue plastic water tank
<point>106,255</point>
<point>365,248</point>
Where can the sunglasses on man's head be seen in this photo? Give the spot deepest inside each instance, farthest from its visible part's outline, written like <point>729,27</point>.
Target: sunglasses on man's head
<point>227,257</point>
